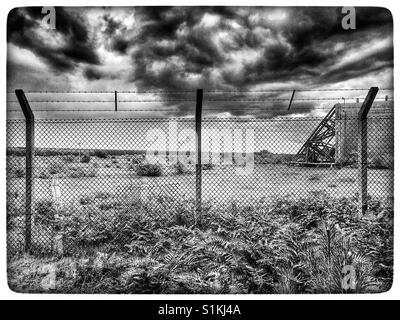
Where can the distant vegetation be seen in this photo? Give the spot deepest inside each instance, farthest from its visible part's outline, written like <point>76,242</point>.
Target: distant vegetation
<point>376,161</point>
<point>85,157</point>
<point>100,153</point>
<point>267,157</point>
<point>181,168</point>
<point>149,170</point>
<point>61,169</point>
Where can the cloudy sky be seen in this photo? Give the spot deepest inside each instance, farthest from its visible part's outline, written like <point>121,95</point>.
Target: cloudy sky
<point>184,48</point>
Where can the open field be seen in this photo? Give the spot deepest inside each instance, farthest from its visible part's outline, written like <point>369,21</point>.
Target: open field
<point>115,175</point>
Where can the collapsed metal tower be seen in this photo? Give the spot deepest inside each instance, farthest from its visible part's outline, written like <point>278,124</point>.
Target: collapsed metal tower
<point>319,147</point>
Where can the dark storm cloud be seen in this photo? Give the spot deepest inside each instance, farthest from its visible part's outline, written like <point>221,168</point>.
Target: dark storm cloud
<point>92,74</point>
<point>114,31</point>
<point>195,49</point>
<point>120,45</point>
<point>77,47</point>
<point>311,25</point>
<point>369,64</point>
<point>217,48</point>
<point>306,50</point>
<point>163,22</point>
<point>311,35</point>
<point>277,62</point>
<point>112,25</point>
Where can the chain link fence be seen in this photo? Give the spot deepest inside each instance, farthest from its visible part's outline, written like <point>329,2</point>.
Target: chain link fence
<point>91,175</point>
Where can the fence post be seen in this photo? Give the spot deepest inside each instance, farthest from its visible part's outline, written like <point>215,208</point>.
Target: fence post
<point>116,100</point>
<point>363,148</point>
<point>29,159</point>
<point>291,99</point>
<point>199,103</point>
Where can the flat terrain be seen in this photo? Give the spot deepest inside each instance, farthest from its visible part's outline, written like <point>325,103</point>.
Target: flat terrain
<point>219,184</point>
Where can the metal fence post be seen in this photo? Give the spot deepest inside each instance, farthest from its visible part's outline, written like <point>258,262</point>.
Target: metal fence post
<point>199,103</point>
<point>29,159</point>
<point>291,99</point>
<point>363,148</point>
<point>116,100</point>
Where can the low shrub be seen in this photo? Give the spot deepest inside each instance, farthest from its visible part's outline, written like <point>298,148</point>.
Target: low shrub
<point>15,204</point>
<point>43,174</point>
<point>76,172</point>
<point>267,157</point>
<point>180,168</point>
<point>55,167</point>
<point>109,204</point>
<point>208,166</point>
<point>100,154</point>
<point>45,212</point>
<point>85,157</point>
<point>149,170</point>
<point>135,161</point>
<point>81,172</point>
<point>314,177</point>
<point>83,230</point>
<point>69,159</point>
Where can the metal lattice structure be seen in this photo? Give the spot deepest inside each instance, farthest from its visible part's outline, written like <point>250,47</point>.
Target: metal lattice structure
<point>319,147</point>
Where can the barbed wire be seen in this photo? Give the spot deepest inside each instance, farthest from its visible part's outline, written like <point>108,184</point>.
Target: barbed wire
<point>192,91</point>
<point>293,110</point>
<point>99,110</point>
<point>191,100</point>
<point>191,118</point>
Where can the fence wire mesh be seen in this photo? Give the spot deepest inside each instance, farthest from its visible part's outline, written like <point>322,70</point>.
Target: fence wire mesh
<point>92,175</point>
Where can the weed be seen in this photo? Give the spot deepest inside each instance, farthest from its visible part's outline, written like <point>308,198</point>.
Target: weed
<point>149,170</point>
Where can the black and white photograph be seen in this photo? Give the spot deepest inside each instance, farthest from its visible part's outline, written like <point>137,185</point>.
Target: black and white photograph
<point>199,150</point>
